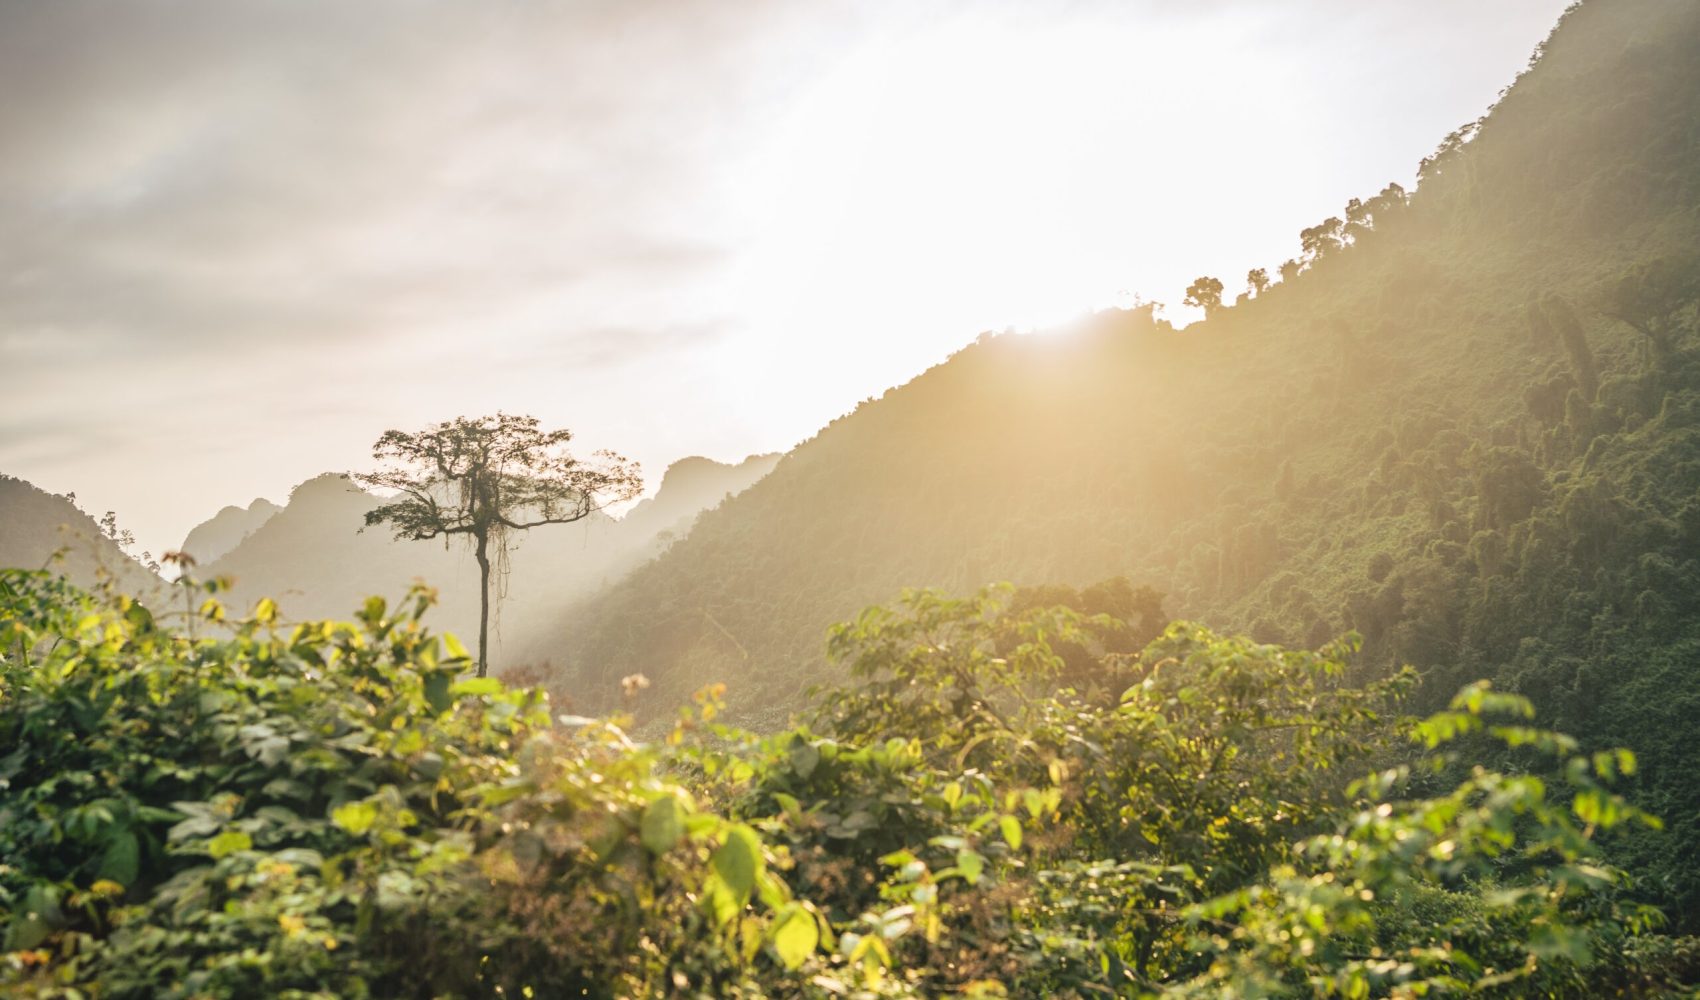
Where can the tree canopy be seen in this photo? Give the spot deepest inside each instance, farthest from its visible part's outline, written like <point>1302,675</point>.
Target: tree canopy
<point>485,477</point>
<point>1204,293</point>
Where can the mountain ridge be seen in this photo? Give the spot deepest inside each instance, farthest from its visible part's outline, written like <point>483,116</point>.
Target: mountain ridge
<point>42,530</point>
<point>217,535</point>
<point>316,558</point>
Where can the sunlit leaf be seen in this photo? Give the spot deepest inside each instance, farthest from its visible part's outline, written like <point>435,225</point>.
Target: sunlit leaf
<point>738,861</point>
<point>355,817</point>
<point>795,935</point>
<point>663,824</point>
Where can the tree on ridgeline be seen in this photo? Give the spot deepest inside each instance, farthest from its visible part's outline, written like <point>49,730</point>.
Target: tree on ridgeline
<point>1205,293</point>
<point>1318,241</point>
<point>485,478</point>
<point>1257,279</point>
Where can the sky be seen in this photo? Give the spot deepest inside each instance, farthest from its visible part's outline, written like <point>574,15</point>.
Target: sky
<point>239,239</point>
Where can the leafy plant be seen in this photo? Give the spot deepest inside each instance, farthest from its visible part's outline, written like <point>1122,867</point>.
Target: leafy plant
<point>335,810</point>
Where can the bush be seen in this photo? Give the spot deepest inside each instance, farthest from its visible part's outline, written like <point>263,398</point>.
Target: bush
<point>328,810</point>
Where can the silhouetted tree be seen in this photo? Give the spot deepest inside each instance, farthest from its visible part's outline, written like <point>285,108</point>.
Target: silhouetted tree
<point>484,478</point>
<point>1435,163</point>
<point>1364,217</point>
<point>1358,221</point>
<point>1392,198</point>
<point>1322,239</point>
<point>1257,279</point>
<point>1205,293</point>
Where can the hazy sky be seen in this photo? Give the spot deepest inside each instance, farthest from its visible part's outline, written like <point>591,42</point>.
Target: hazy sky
<point>239,239</point>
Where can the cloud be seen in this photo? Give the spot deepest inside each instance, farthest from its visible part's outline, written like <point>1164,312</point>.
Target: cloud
<point>181,178</point>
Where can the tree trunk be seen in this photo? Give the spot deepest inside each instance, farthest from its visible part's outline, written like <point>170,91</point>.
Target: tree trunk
<point>483,603</point>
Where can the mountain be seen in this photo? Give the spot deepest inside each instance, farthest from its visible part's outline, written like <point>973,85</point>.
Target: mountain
<point>689,487</point>
<point>1465,423</point>
<point>314,559</point>
<point>225,530</point>
<point>36,524</point>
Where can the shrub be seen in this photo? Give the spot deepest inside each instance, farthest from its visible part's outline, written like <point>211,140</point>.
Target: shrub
<point>328,810</point>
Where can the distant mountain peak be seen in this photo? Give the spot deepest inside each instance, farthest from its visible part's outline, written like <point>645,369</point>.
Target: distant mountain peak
<point>694,468</point>
<point>214,537</point>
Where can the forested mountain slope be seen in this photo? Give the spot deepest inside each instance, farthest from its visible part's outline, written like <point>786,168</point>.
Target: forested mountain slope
<point>1466,424</point>
<point>36,524</point>
<point>314,559</point>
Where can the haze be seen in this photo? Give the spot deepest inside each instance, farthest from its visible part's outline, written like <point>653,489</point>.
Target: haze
<point>242,239</point>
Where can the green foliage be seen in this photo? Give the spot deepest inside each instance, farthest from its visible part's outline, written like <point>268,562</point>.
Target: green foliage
<point>331,810</point>
<point>1493,887</point>
<point>185,801</point>
<point>324,811</point>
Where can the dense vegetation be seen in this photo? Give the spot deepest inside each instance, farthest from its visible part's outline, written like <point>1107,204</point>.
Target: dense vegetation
<point>236,808</point>
<point>1465,424</point>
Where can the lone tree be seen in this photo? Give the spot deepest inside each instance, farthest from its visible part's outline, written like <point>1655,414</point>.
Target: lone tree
<point>1257,279</point>
<point>487,477</point>
<point>1205,293</point>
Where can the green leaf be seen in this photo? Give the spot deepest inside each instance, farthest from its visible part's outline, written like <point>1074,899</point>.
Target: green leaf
<point>795,936</point>
<point>355,817</point>
<point>495,795</point>
<point>477,687</point>
<point>971,864</point>
<point>121,861</point>
<point>722,905</point>
<point>139,617</point>
<point>1011,828</point>
<point>663,824</point>
<point>199,824</point>
<point>229,842</point>
<point>270,751</point>
<point>265,612</point>
<point>738,861</point>
<point>456,649</point>
<point>805,757</point>
<point>437,692</point>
